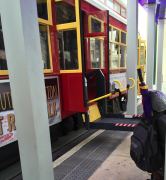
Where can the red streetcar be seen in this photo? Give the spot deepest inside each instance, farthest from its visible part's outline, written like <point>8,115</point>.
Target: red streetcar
<point>84,56</point>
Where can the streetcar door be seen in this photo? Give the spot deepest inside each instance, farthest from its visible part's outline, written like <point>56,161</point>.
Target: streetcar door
<point>96,43</point>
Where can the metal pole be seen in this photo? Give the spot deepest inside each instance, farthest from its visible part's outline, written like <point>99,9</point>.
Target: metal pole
<point>160,46</point>
<point>164,64</point>
<point>23,51</point>
<point>132,52</point>
<point>150,45</point>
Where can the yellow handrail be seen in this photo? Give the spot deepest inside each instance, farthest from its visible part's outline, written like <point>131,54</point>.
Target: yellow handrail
<point>133,83</point>
<point>119,83</point>
<point>110,94</point>
<point>99,98</point>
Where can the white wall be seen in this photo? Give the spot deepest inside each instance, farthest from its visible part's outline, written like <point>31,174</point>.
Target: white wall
<point>142,22</point>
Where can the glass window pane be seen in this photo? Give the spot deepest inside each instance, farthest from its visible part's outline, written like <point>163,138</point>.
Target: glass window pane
<point>115,35</point>
<point>44,46</point>
<point>110,33</point>
<point>114,56</point>
<point>117,7</point>
<point>122,56</point>
<point>42,9</point>
<point>65,13</point>
<point>97,52</point>
<point>3,62</point>
<point>96,25</point>
<point>123,12</point>
<point>123,37</point>
<point>68,52</point>
<point>110,3</point>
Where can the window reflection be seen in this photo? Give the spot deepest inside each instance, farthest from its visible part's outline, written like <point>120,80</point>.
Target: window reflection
<point>110,3</point>
<point>123,37</point>
<point>44,46</point>
<point>114,56</point>
<point>123,12</point>
<point>42,9</point>
<point>96,25</point>
<point>68,52</point>
<point>97,53</point>
<point>117,7</point>
<point>3,62</point>
<point>115,35</point>
<point>65,13</point>
<point>122,56</point>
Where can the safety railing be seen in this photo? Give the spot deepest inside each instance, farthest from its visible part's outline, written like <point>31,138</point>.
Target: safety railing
<point>117,93</point>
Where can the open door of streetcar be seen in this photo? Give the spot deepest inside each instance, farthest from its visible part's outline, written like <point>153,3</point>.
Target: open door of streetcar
<point>96,36</point>
<point>67,15</point>
<point>97,68</point>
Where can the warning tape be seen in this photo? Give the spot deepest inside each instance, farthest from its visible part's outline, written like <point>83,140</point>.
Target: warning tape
<point>125,125</point>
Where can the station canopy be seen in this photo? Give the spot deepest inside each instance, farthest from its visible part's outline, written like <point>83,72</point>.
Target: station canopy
<point>160,10</point>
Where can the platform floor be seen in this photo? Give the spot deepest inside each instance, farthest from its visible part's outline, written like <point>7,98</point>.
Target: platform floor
<point>119,166</point>
<point>102,156</point>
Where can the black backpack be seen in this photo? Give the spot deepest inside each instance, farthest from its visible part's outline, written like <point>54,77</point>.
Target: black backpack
<point>145,150</point>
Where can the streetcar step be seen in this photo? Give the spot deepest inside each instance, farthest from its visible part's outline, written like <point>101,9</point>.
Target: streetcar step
<point>121,124</point>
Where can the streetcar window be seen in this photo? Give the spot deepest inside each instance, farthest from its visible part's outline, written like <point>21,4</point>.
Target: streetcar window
<point>96,25</point>
<point>97,53</point>
<point>114,56</point>
<point>115,35</point>
<point>123,37</point>
<point>65,13</point>
<point>3,62</point>
<point>123,12</point>
<point>68,52</point>
<point>45,46</point>
<point>117,7</point>
<point>122,56</point>
<point>42,9</point>
<point>110,3</point>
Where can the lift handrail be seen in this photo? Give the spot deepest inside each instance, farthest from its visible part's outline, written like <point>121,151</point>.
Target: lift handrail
<point>133,83</point>
<point>119,83</point>
<point>111,94</point>
<point>99,98</point>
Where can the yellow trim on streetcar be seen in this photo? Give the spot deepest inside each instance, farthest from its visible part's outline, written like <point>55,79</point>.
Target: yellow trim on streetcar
<point>49,13</point>
<point>4,72</point>
<point>70,71</point>
<point>78,35</point>
<point>76,26</point>
<point>43,21</point>
<point>90,17</point>
<point>66,26</point>
<point>50,53</point>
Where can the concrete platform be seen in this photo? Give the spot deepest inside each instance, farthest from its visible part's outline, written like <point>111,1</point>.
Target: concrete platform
<point>119,166</point>
<point>102,156</point>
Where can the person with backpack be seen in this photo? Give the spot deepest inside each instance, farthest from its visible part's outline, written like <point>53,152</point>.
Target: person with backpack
<point>148,139</point>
